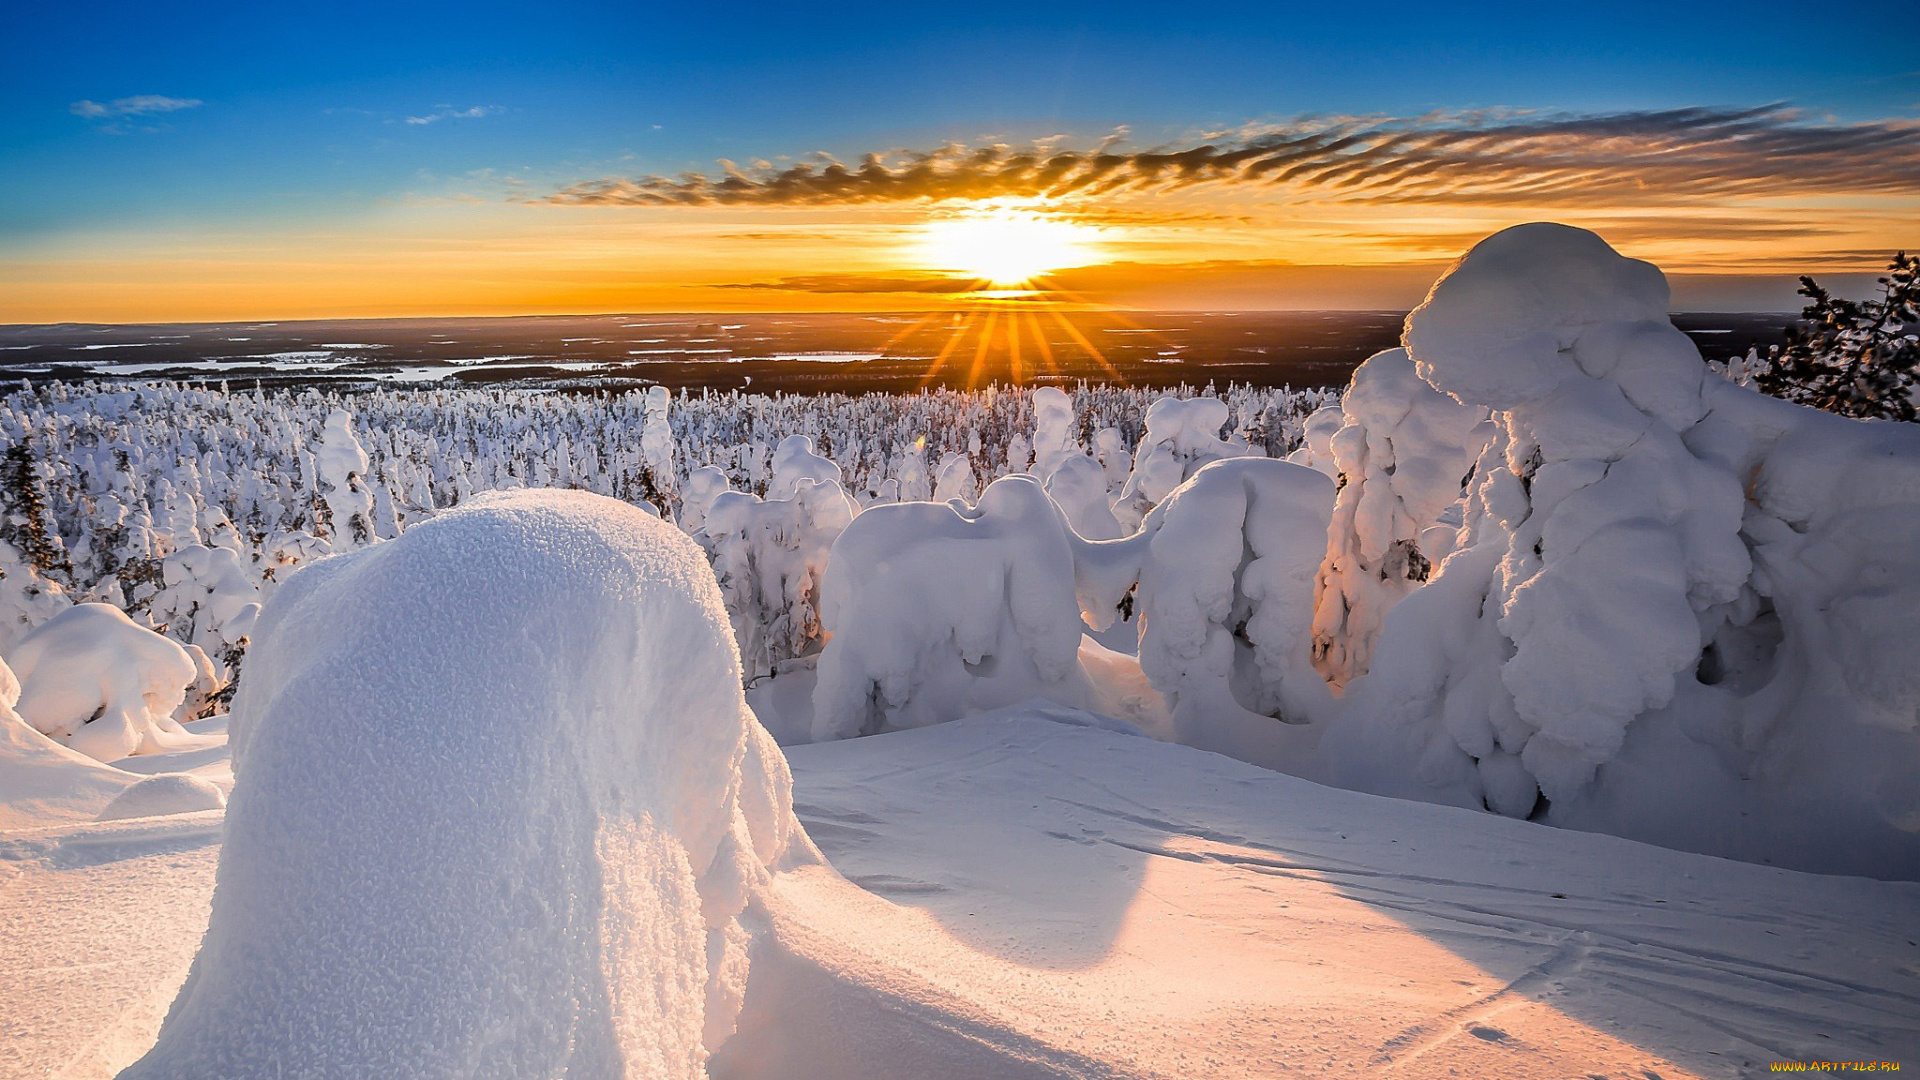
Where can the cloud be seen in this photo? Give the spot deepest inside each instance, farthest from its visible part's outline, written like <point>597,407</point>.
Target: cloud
<point>448,112</point>
<point>137,105</point>
<point>1484,157</point>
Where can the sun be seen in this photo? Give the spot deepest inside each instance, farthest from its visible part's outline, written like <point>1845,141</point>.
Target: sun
<point>1006,246</point>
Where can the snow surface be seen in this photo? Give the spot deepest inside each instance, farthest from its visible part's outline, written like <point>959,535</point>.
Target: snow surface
<point>168,793</point>
<point>1027,894</point>
<point>527,800</point>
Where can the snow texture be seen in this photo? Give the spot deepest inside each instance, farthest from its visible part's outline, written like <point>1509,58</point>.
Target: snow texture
<point>97,683</point>
<point>529,806</point>
<point>1046,899</point>
<point>41,781</point>
<point>1223,576</point>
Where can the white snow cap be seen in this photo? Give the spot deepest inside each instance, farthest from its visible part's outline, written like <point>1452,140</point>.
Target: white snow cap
<point>529,805</point>
<point>1493,329</point>
<point>1053,431</point>
<point>91,679</point>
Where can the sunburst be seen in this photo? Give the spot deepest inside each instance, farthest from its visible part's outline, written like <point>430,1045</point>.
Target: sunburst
<point>1006,246</point>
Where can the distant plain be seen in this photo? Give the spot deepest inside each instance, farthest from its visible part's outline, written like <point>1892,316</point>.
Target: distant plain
<point>794,353</point>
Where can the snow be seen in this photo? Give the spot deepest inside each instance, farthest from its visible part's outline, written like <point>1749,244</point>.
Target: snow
<point>1181,437</point>
<point>342,465</point>
<point>1316,444</point>
<point>937,610</point>
<point>1225,570</point>
<point>1079,486</point>
<point>1030,893</point>
<point>1051,900</point>
<point>656,438</point>
<point>1053,431</point>
<point>511,751</point>
<point>769,555</point>
<point>42,781</point>
<point>98,684</point>
<point>1405,451</point>
<point>1673,613</point>
<point>168,793</point>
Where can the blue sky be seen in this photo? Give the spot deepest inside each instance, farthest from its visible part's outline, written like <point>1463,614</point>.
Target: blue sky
<point>302,114</point>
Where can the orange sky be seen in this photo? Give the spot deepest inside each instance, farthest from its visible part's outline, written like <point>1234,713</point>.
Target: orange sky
<point>1222,246</point>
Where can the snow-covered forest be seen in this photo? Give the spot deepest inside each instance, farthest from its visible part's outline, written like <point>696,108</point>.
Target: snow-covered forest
<point>1540,563</point>
<point>184,507</point>
<point>1567,574</point>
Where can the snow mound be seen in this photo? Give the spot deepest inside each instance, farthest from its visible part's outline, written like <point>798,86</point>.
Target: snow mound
<point>1079,485</point>
<point>168,793</point>
<point>938,611</point>
<point>1182,436</point>
<point>41,781</point>
<point>795,462</point>
<point>530,806</point>
<point>1495,328</point>
<point>94,681</point>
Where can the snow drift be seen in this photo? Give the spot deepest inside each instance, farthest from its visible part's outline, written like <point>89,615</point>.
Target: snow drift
<point>530,810</point>
<point>41,781</point>
<point>92,680</point>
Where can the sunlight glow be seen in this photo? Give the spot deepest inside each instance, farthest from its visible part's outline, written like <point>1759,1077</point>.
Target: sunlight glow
<point>1006,246</point>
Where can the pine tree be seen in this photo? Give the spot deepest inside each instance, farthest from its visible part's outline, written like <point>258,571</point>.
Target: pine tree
<point>1855,358</point>
<point>27,519</point>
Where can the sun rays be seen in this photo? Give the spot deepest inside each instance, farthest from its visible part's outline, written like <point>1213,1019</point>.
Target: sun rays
<point>1006,245</point>
<point>1013,322</point>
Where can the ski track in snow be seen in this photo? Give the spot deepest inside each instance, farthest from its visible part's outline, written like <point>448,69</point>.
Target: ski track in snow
<point>1023,898</point>
<point>1171,913</point>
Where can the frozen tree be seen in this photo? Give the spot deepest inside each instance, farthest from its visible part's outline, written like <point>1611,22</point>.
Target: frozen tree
<point>341,469</point>
<point>1403,456</point>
